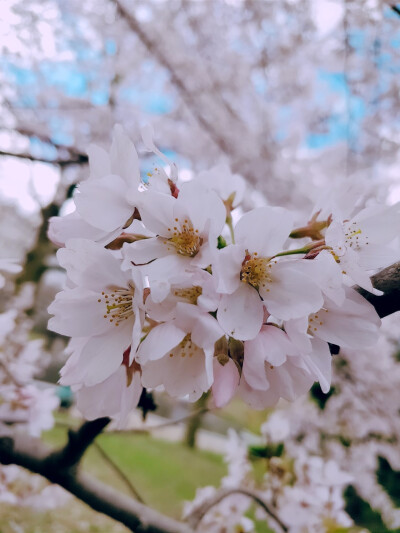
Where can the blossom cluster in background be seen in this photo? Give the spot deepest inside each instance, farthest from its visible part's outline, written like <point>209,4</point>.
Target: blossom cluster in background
<point>314,457</point>
<point>24,405</point>
<point>173,286</point>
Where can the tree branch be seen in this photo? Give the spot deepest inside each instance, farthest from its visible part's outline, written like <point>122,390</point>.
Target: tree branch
<point>395,9</point>
<point>388,281</point>
<point>196,517</point>
<point>78,442</point>
<point>176,80</point>
<point>32,454</point>
<point>73,160</point>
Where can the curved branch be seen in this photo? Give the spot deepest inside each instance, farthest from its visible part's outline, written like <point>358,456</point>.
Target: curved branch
<point>32,454</point>
<point>199,513</point>
<point>78,442</point>
<point>387,281</point>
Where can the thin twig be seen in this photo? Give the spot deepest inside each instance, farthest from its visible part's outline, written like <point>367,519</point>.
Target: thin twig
<point>198,515</point>
<point>149,429</point>
<point>57,161</point>
<point>72,150</point>
<point>119,472</point>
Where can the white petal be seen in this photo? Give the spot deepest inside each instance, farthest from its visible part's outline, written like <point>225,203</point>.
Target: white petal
<point>201,205</point>
<point>99,162</point>
<point>102,203</point>
<point>335,237</point>
<point>254,364</point>
<point>321,359</point>
<point>355,324</point>
<point>374,256</point>
<point>290,381</point>
<point>111,397</point>
<point>226,267</point>
<point>74,226</point>
<point>102,355</point>
<point>206,331</point>
<point>379,223</point>
<point>124,159</point>
<point>90,265</point>
<point>241,314</point>
<point>257,399</point>
<point>351,268</point>
<point>160,340</point>
<point>78,314</point>
<point>264,230</point>
<point>291,293</point>
<point>144,251</point>
<point>326,273</point>
<point>226,381</point>
<point>156,211</point>
<point>271,346</point>
<point>180,376</point>
<point>297,333</point>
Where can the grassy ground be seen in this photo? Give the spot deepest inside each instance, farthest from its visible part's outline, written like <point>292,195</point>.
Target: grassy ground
<point>164,473</point>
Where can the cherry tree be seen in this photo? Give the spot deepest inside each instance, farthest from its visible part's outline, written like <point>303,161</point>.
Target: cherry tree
<point>236,275</point>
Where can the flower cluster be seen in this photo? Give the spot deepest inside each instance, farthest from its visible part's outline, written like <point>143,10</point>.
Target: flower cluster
<point>303,491</point>
<point>22,402</point>
<point>165,292</point>
<point>24,405</point>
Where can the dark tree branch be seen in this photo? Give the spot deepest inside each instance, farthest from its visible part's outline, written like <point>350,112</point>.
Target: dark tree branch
<point>78,442</point>
<point>33,455</point>
<point>388,281</point>
<point>198,515</point>
<point>62,162</point>
<point>74,153</point>
<point>395,9</point>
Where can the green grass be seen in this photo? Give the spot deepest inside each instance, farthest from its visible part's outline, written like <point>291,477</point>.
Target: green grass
<point>164,473</point>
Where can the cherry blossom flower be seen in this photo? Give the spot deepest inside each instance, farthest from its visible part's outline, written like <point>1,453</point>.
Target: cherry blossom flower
<point>105,203</point>
<point>115,397</point>
<point>185,232</point>
<point>365,242</point>
<point>250,279</point>
<point>275,368</point>
<point>179,354</point>
<point>196,287</point>
<point>229,187</point>
<point>29,406</point>
<point>102,311</point>
<point>354,324</point>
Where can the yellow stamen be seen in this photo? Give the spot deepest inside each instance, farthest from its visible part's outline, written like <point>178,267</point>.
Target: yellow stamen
<point>255,271</point>
<point>118,304</point>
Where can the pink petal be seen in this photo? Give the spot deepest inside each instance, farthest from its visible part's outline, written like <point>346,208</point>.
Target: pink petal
<point>226,381</point>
